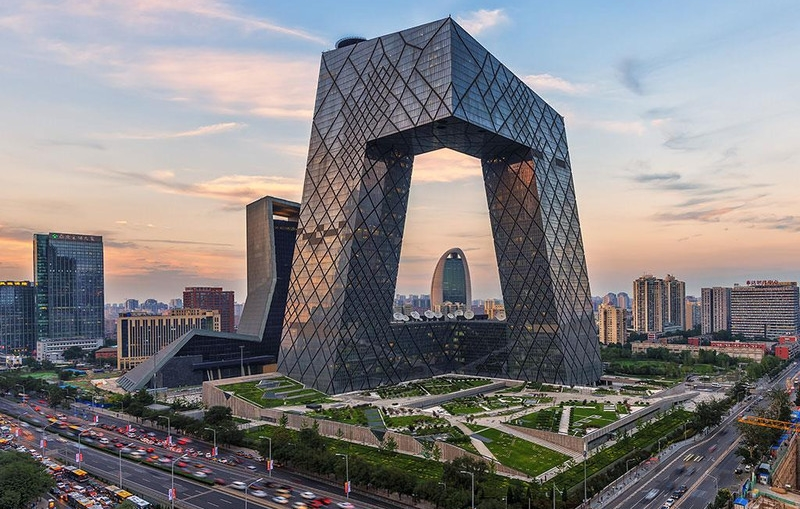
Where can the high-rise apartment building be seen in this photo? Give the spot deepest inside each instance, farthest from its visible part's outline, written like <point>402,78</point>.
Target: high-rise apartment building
<point>716,309</point>
<point>69,279</point>
<point>611,324</point>
<point>141,335</point>
<point>658,304</point>
<point>17,317</point>
<point>648,304</point>
<point>693,313</point>
<point>767,309</point>
<point>623,300</point>
<point>674,302</point>
<point>212,298</point>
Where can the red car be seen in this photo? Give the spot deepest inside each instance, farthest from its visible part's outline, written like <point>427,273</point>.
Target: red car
<point>323,500</point>
<point>119,445</point>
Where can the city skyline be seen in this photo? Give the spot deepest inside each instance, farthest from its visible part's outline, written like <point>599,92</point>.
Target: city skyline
<point>154,125</point>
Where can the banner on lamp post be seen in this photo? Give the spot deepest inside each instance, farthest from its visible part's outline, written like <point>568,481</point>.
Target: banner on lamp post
<point>269,465</point>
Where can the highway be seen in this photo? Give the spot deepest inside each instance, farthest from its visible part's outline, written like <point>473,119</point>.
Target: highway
<point>703,467</point>
<point>146,480</point>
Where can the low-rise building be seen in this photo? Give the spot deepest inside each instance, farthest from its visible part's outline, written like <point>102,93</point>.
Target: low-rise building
<point>53,349</point>
<point>742,350</point>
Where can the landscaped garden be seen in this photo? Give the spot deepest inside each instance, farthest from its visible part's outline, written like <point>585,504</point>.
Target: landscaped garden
<point>478,404</point>
<point>348,415</point>
<point>595,415</point>
<point>517,453</point>
<point>279,392</point>
<point>546,420</point>
<point>437,385</point>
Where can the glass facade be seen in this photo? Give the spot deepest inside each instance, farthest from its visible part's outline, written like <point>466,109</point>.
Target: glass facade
<point>17,317</point>
<point>379,103</point>
<point>451,281</point>
<point>69,282</point>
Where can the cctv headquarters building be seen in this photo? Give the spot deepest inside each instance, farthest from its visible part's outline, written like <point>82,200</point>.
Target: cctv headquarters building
<point>379,103</point>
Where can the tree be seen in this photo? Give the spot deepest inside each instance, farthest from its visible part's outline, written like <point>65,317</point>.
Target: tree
<point>218,415</point>
<point>389,444</point>
<point>707,414</point>
<point>22,480</point>
<point>73,353</point>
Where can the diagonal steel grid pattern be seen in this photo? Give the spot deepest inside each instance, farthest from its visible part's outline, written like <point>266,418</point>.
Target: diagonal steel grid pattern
<point>379,103</point>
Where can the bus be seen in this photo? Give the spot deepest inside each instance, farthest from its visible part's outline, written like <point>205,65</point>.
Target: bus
<point>76,473</point>
<point>138,502</point>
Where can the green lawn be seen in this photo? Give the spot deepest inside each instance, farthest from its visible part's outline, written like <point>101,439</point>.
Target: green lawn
<point>590,416</point>
<point>347,415</point>
<point>533,459</point>
<point>291,393</point>
<point>478,404</point>
<point>547,419</point>
<point>439,385</point>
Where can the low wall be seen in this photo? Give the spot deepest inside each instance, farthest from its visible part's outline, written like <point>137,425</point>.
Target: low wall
<point>572,443</point>
<point>406,444</point>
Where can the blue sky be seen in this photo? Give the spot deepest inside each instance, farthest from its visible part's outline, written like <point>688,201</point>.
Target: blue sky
<point>153,123</point>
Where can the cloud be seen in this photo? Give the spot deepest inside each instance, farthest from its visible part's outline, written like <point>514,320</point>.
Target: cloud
<point>548,82</point>
<point>226,82</point>
<point>707,215</point>
<point>234,190</point>
<point>656,177</point>
<point>152,16</point>
<point>444,166</point>
<point>479,21</point>
<point>200,131</point>
<point>630,72</point>
<point>69,143</point>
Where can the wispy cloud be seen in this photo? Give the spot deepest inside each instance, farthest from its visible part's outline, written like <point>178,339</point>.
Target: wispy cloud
<point>630,72</point>
<point>71,143</point>
<point>241,83</point>
<point>656,177</point>
<point>234,190</point>
<point>445,166</point>
<point>200,131</point>
<point>146,15</point>
<point>481,20</point>
<point>548,82</point>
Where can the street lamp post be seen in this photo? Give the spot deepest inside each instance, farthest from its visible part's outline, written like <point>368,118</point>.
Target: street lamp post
<point>472,479</point>
<point>554,494</point>
<point>585,461</point>
<point>172,482</point>
<point>716,484</point>
<point>684,429</point>
<point>248,487</point>
<point>80,449</point>
<point>269,460</point>
<point>44,439</point>
<point>241,358</point>
<point>169,429</point>
<point>214,450</point>
<point>94,408</point>
<point>346,474</point>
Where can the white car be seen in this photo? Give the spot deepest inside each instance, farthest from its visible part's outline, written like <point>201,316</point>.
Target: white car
<point>280,500</point>
<point>308,495</point>
<point>259,493</point>
<point>238,485</point>
<point>251,467</point>
<point>345,505</point>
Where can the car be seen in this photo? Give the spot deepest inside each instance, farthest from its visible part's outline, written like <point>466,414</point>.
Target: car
<point>324,500</point>
<point>238,485</point>
<point>284,492</point>
<point>738,470</point>
<point>181,464</point>
<point>119,445</point>
<point>251,467</point>
<point>308,495</point>
<point>316,504</point>
<point>220,481</point>
<point>200,475</point>
<point>259,493</point>
<point>299,505</point>
<point>150,450</point>
<point>747,468</point>
<point>280,500</point>
<point>345,505</point>
<point>669,502</point>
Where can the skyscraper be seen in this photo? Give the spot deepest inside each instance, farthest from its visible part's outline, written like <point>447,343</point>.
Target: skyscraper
<point>69,282</point>
<point>693,313</point>
<point>648,304</point>
<point>17,317</point>
<point>211,298</point>
<point>380,102</point>
<point>674,302</point>
<point>767,309</point>
<point>611,324</point>
<point>451,281</point>
<point>716,309</point>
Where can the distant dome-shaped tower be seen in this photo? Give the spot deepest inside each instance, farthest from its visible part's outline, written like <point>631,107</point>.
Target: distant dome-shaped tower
<point>451,282</point>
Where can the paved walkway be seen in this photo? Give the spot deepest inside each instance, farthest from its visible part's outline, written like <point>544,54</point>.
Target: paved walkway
<point>479,445</point>
<point>563,426</point>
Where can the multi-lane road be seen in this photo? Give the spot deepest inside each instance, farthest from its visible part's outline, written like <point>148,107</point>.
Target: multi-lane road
<point>704,467</point>
<point>147,480</point>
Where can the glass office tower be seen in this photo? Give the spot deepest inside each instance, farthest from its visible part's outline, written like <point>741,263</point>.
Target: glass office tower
<point>69,285</point>
<point>379,103</point>
<point>17,317</point>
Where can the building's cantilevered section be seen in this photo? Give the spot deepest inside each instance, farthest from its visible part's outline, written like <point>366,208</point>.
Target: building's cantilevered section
<point>206,355</point>
<point>379,103</point>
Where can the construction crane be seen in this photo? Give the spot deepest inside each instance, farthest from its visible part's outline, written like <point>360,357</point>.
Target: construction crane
<point>769,423</point>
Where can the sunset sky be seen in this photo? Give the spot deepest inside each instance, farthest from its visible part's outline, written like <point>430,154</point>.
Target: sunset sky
<point>153,123</point>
